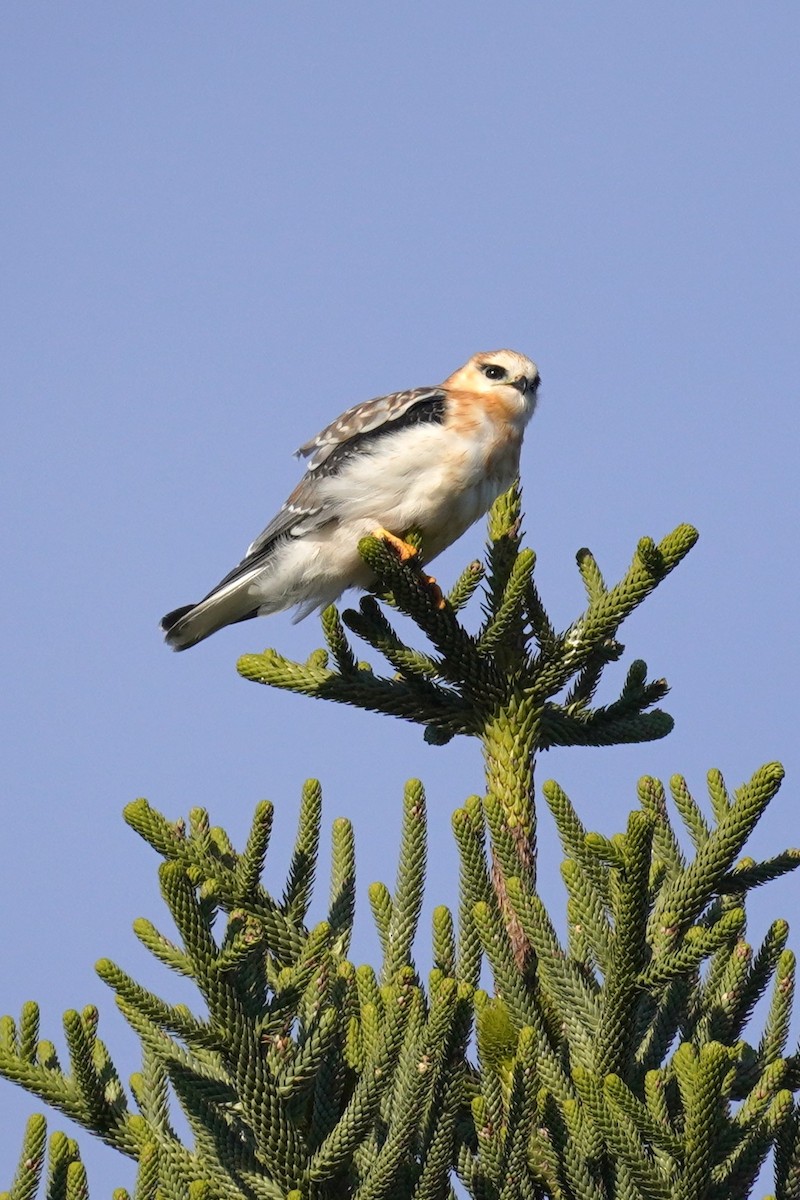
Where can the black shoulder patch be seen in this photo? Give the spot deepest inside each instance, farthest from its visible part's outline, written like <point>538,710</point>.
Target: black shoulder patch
<point>429,411</point>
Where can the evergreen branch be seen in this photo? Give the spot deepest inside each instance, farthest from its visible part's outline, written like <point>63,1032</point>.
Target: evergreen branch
<point>28,1031</point>
<point>474,886</point>
<point>411,591</point>
<point>47,1057</point>
<point>651,564</point>
<point>591,575</point>
<point>204,866</point>
<point>31,1161</point>
<point>575,999</point>
<point>762,970</point>
<point>498,950</point>
<point>456,690</point>
<point>601,727</point>
<point>751,1113</point>
<point>519,1119</point>
<point>165,838</point>
<point>508,849</point>
<point>505,619</point>
<point>700,1078</point>
<point>151,1090</point>
<point>369,991</point>
<point>176,1018</point>
<point>338,1147</point>
<point>407,900</point>
<point>63,1151</point>
<point>787,1157</point>
<point>587,910</point>
<point>343,884</point>
<point>191,920</point>
<point>161,1054</point>
<point>749,874</point>
<point>336,640</point>
<point>77,1186</point>
<point>414,1078</point>
<point>689,810</point>
<point>622,1138</point>
<point>553,1156</point>
<point>720,1017</point>
<point>392,697</point>
<point>335,1074</point>
<point>294,981</point>
<point>380,901</point>
<point>222,1139</point>
<point>721,801</point>
<point>437,1155</point>
<point>466,585</point>
<point>641,1118</point>
<point>82,1095</point>
<point>697,945</point>
<point>445,1061</point>
<point>776,1029</point>
<point>487,1122</point>
<point>736,1175</point>
<point>586,681</point>
<point>572,833</point>
<point>148,1174</point>
<point>628,953</point>
<point>444,942</point>
<point>687,895</point>
<point>299,1076</point>
<point>161,947</point>
<point>665,844</point>
<point>504,528</point>
<point>415,668</point>
<point>582,1153</point>
<point>250,866</point>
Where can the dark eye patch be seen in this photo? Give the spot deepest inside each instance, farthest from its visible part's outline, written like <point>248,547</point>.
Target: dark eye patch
<point>492,371</point>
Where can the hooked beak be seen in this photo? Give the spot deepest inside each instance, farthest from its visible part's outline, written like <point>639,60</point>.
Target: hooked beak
<point>523,384</point>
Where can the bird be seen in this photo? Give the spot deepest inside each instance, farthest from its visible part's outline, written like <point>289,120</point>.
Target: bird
<point>431,459</point>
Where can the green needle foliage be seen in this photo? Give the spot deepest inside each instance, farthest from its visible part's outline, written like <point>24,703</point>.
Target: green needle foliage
<point>618,1063</point>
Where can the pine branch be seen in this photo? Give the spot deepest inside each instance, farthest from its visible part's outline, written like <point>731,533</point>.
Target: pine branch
<point>614,1064</point>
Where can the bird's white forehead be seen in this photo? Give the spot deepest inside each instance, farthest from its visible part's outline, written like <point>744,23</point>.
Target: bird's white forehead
<point>516,364</point>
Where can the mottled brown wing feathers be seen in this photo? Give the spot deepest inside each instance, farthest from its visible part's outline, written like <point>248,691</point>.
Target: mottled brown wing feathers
<point>329,451</point>
<point>363,418</point>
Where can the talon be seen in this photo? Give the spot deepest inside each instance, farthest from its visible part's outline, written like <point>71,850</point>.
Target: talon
<point>403,550</point>
<point>436,592</point>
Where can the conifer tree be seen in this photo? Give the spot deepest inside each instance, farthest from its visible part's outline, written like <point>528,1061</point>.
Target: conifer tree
<point>618,1064</point>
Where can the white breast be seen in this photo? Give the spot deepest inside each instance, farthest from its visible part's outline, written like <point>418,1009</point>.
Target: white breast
<point>430,477</point>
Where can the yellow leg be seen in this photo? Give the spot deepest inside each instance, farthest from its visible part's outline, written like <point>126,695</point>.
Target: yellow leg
<point>403,550</point>
<point>406,551</point>
<point>436,592</point>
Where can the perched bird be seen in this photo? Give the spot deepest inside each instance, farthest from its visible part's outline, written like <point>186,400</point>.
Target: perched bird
<point>431,459</point>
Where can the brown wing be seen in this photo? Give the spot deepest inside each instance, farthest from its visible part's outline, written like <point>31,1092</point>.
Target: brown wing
<point>306,509</point>
<point>363,418</point>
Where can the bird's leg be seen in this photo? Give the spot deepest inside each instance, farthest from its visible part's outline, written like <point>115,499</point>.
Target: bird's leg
<point>437,595</point>
<point>405,551</point>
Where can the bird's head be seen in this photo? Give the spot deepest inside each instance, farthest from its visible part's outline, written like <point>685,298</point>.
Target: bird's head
<point>500,374</point>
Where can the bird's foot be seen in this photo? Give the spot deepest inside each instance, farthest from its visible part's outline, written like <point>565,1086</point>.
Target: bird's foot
<point>403,550</point>
<point>436,592</point>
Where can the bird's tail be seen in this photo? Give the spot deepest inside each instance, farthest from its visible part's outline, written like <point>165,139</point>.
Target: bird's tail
<point>186,626</point>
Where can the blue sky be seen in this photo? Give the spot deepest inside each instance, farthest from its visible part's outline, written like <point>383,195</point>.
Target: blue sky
<point>226,223</point>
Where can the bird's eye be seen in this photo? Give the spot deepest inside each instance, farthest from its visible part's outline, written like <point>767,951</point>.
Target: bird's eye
<point>494,372</point>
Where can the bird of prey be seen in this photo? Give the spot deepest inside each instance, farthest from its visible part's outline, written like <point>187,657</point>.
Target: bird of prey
<point>432,459</point>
